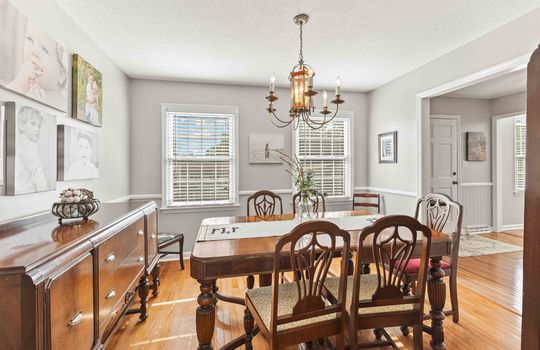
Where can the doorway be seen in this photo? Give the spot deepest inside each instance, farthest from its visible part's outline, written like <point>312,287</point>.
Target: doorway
<point>444,131</point>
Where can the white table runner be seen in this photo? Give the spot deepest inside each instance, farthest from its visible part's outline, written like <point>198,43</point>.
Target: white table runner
<point>277,228</point>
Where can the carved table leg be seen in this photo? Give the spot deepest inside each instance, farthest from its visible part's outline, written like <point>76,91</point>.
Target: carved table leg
<point>155,280</point>
<point>436,288</point>
<point>144,289</point>
<point>206,315</point>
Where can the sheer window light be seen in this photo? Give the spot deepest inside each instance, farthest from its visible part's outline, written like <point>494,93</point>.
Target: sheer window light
<point>520,132</point>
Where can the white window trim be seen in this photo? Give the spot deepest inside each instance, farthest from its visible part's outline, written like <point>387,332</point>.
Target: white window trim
<point>191,108</point>
<point>348,197</point>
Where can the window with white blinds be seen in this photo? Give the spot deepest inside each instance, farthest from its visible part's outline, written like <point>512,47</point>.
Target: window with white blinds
<point>200,155</point>
<point>520,130</point>
<point>327,152</point>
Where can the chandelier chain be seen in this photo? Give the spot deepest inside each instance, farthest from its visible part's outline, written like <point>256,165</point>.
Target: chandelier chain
<point>301,55</point>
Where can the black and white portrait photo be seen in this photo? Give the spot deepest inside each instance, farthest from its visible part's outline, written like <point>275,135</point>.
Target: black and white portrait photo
<point>31,62</point>
<point>30,150</point>
<point>78,154</point>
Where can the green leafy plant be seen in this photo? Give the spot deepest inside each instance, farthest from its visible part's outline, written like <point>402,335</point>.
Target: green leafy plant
<point>303,178</point>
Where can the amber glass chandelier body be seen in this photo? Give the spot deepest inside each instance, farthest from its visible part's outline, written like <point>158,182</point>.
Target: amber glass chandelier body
<point>302,92</point>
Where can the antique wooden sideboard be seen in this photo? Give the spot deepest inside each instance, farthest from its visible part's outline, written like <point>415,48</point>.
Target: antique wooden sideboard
<point>67,286</point>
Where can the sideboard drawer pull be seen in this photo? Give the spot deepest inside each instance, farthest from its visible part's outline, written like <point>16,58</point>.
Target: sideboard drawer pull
<point>110,257</point>
<point>111,294</point>
<point>75,320</point>
<point>140,259</point>
<point>140,232</point>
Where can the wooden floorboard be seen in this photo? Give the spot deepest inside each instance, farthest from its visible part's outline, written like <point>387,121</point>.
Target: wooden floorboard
<point>490,291</point>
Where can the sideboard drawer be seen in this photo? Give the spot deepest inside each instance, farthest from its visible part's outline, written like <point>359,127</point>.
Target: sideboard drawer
<point>151,236</point>
<point>115,250</point>
<point>113,289</point>
<point>71,307</point>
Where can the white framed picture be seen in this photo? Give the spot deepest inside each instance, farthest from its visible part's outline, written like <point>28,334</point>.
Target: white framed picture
<point>78,153</point>
<point>31,62</point>
<point>261,148</point>
<point>388,147</point>
<point>30,150</point>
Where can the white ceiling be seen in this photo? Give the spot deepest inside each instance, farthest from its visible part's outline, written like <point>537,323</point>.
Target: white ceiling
<point>366,42</point>
<point>503,85</point>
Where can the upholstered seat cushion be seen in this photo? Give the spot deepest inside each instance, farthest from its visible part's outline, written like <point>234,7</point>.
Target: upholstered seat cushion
<point>261,299</point>
<point>368,285</point>
<point>414,265</point>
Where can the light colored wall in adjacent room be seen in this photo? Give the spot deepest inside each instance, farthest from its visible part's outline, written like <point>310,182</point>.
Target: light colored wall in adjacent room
<point>114,176</point>
<point>146,97</point>
<point>394,105</point>
<point>515,103</point>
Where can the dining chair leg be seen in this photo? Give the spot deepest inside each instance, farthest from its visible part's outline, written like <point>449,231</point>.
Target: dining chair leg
<point>181,251</point>
<point>366,270</point>
<point>353,336</point>
<point>418,341</point>
<point>378,333</point>
<point>454,298</point>
<point>249,323</point>
<point>250,281</point>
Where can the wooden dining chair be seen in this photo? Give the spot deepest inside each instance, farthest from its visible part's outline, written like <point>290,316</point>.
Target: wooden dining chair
<point>264,203</point>
<point>296,312</point>
<point>316,200</point>
<point>377,301</point>
<point>366,203</point>
<point>437,211</point>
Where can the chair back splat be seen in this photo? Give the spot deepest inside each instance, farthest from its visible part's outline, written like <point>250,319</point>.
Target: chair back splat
<point>265,203</point>
<point>308,251</point>
<point>394,239</point>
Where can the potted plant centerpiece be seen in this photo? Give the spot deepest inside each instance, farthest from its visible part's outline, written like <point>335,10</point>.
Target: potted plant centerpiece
<point>303,182</point>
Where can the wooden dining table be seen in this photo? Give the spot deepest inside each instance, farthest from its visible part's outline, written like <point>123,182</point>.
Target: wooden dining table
<point>216,259</point>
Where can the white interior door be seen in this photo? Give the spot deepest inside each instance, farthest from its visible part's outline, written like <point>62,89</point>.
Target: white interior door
<point>444,156</point>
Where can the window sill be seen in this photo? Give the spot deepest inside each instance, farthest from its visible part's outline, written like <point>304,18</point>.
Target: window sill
<point>199,208</point>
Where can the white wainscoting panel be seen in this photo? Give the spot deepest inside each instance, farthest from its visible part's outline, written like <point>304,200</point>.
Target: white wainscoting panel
<point>476,199</point>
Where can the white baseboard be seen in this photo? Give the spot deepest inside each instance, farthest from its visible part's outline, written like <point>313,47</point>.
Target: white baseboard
<point>476,230</point>
<point>512,227</point>
<point>174,257</point>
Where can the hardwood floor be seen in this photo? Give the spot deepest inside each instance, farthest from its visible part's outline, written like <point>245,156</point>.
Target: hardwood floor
<point>490,292</point>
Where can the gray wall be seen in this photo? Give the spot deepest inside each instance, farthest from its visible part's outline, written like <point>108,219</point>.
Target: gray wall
<point>146,97</point>
<point>113,181</point>
<point>394,105</point>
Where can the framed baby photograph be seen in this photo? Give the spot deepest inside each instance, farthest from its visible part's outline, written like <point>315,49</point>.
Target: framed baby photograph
<point>261,146</point>
<point>78,154</point>
<point>30,150</point>
<point>388,147</point>
<point>87,92</point>
<point>31,62</point>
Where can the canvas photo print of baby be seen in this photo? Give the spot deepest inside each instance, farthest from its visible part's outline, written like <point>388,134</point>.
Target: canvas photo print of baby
<point>87,92</point>
<point>78,155</point>
<point>30,150</point>
<point>31,62</point>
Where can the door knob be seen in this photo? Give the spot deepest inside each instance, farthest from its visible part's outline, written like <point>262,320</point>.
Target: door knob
<point>454,183</point>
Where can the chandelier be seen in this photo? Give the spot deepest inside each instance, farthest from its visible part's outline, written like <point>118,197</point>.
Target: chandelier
<point>302,92</point>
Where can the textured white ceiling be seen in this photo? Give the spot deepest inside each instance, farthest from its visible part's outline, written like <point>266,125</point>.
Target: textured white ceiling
<point>366,42</point>
<point>503,85</point>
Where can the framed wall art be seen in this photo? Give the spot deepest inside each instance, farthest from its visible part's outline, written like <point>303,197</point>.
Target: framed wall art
<point>30,150</point>
<point>476,145</point>
<point>261,147</point>
<point>31,62</point>
<point>87,92</point>
<point>78,154</point>
<point>388,147</point>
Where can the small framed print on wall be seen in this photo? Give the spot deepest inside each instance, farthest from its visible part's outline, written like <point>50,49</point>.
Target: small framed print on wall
<point>388,147</point>
<point>476,146</point>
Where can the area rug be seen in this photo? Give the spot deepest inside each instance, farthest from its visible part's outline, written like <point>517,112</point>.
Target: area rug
<point>475,245</point>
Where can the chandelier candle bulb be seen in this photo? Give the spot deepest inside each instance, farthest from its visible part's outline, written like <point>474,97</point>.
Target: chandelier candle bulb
<point>272,83</point>
<point>325,99</point>
<point>338,85</point>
